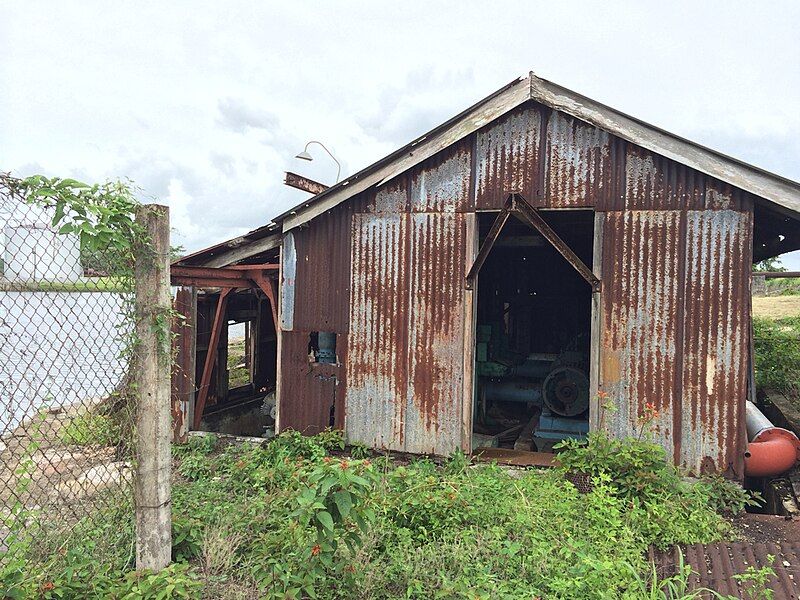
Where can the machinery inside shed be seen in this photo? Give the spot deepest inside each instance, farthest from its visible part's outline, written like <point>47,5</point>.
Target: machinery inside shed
<point>533,335</point>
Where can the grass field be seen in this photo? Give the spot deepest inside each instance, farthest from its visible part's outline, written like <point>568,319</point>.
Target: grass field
<point>776,307</point>
<point>92,284</point>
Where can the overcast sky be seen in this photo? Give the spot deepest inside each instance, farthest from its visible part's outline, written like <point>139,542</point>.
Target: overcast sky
<point>205,104</point>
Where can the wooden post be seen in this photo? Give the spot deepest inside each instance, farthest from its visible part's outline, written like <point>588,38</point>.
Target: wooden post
<point>153,418</point>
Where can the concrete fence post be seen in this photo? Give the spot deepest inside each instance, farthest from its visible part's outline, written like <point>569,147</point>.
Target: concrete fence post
<point>152,379</point>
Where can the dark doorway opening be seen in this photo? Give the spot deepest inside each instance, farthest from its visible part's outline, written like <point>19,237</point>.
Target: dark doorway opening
<point>533,335</point>
<point>240,396</point>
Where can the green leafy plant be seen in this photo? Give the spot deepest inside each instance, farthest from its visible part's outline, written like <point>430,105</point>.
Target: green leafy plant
<point>286,519</point>
<point>777,354</point>
<point>636,467</point>
<point>754,581</point>
<point>91,429</point>
<point>727,497</point>
<point>102,215</point>
<point>335,504</point>
<point>360,451</point>
<point>175,581</point>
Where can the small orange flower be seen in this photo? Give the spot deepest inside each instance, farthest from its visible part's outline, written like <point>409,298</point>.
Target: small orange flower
<point>344,465</point>
<point>326,459</point>
<point>315,550</point>
<point>367,463</point>
<point>47,586</point>
<point>602,395</point>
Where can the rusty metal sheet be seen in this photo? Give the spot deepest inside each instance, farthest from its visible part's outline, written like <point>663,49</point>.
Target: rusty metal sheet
<point>404,363</point>
<point>578,167</point>
<point>714,567</point>
<point>653,182</point>
<point>377,358</point>
<point>436,334</point>
<point>717,317</point>
<point>675,289</point>
<point>442,183</point>
<point>288,277</point>
<point>304,183</point>
<point>183,366</point>
<point>320,297</point>
<point>322,285</point>
<point>508,153</point>
<point>641,300</point>
<point>391,197</point>
<point>311,393</point>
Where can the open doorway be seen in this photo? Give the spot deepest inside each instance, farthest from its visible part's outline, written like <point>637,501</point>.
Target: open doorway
<point>238,395</point>
<point>533,334</point>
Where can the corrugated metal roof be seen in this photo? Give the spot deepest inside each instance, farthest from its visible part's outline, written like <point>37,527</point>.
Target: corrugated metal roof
<point>715,567</point>
<point>779,190</point>
<point>235,250</point>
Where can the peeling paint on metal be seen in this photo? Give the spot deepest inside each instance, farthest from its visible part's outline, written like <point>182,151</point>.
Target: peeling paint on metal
<point>406,332</point>
<point>716,332</point>
<point>391,197</point>
<point>436,334</point>
<point>675,330</point>
<point>288,274</point>
<point>578,166</point>
<point>377,360</point>
<point>441,184</point>
<point>508,153</point>
<point>641,293</point>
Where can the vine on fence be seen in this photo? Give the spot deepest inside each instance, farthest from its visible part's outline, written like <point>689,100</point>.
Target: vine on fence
<point>101,215</point>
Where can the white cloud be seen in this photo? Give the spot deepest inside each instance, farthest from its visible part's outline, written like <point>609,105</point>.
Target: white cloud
<point>205,104</point>
<point>180,220</point>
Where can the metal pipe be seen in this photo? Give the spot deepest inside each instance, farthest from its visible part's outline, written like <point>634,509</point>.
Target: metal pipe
<point>771,450</point>
<point>756,421</point>
<point>513,390</point>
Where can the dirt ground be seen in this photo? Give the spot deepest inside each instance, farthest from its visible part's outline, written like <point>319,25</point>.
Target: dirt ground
<point>755,528</point>
<point>38,469</point>
<point>776,307</point>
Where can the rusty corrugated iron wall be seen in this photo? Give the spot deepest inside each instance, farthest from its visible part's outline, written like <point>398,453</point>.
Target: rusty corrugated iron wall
<point>641,298</point>
<point>715,351</point>
<point>385,272</point>
<point>183,365</point>
<point>406,339</point>
<point>676,287</point>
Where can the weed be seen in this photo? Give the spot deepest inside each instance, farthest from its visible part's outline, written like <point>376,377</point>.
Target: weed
<point>220,547</point>
<point>360,451</point>
<point>286,519</point>
<point>777,354</point>
<point>728,497</point>
<point>91,429</point>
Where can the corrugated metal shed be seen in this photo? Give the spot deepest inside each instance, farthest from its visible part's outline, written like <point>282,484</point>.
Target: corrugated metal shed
<point>385,272</point>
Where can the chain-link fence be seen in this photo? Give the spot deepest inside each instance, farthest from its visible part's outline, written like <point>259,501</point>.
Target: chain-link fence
<point>66,408</point>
